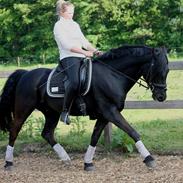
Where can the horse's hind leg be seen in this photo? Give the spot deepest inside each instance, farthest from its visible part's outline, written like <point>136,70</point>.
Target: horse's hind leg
<point>21,113</point>
<point>52,118</point>
<point>15,129</point>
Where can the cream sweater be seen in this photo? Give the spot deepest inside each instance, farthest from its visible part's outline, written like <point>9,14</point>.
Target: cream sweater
<point>68,34</point>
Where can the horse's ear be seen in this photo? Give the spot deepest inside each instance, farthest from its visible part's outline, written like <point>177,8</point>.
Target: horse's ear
<point>157,51</point>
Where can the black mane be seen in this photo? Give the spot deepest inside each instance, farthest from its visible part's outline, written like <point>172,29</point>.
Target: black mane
<point>124,51</point>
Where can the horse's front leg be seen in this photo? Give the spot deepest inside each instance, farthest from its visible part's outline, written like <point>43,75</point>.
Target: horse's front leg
<point>88,158</point>
<point>116,118</point>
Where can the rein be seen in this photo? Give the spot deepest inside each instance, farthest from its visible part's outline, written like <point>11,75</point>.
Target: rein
<point>126,76</point>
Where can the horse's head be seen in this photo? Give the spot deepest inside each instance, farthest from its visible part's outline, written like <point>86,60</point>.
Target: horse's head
<point>152,61</point>
<point>156,72</point>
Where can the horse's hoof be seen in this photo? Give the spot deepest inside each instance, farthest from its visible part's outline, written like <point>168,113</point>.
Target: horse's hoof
<point>150,162</point>
<point>67,162</point>
<point>8,166</point>
<point>89,167</point>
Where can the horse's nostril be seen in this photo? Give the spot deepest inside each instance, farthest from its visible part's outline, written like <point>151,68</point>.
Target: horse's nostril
<point>161,98</point>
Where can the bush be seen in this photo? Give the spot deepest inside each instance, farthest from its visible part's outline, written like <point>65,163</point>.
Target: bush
<point>121,140</point>
<point>32,128</point>
<point>77,138</point>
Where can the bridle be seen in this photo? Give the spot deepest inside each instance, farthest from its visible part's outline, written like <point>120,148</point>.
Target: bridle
<point>149,78</point>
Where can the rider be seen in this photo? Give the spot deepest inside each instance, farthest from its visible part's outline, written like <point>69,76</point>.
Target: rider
<point>70,41</point>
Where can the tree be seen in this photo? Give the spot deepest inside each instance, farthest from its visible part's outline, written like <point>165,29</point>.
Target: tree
<point>27,26</point>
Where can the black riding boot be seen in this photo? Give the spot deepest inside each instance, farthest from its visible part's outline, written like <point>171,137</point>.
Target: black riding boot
<point>68,99</point>
<point>71,66</point>
<point>65,117</point>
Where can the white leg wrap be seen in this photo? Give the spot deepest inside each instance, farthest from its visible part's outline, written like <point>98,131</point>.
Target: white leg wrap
<point>9,154</point>
<point>142,149</point>
<point>89,154</point>
<point>61,152</point>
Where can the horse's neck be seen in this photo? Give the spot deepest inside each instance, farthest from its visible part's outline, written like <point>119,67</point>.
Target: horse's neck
<point>125,76</point>
<point>123,64</point>
<point>130,68</point>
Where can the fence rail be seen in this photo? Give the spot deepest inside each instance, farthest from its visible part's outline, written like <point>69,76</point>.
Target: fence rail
<point>176,65</point>
<point>5,74</point>
<point>169,104</point>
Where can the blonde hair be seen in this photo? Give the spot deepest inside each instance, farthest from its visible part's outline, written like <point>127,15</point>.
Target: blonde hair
<point>61,6</point>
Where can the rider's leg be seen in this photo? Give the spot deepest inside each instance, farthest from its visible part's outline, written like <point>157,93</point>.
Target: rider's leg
<point>71,66</point>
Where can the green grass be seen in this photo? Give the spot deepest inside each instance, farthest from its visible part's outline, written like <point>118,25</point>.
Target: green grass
<point>161,134</point>
<point>175,59</point>
<point>174,86</point>
<point>2,82</point>
<point>161,130</point>
<point>12,67</point>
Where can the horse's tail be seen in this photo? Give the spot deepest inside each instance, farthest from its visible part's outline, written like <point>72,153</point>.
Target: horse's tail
<point>7,99</point>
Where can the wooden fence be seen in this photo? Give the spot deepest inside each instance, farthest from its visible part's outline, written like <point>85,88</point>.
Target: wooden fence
<point>169,104</point>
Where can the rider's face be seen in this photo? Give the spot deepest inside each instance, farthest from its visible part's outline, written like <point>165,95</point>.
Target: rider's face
<point>68,13</point>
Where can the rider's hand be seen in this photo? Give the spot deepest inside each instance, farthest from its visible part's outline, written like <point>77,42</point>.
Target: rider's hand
<point>98,53</point>
<point>89,53</point>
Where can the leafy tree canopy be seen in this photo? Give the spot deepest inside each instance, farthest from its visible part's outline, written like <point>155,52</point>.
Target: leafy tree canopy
<point>27,26</point>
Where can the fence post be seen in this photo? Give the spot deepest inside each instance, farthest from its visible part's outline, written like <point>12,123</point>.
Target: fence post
<point>44,58</point>
<point>18,61</point>
<point>108,134</point>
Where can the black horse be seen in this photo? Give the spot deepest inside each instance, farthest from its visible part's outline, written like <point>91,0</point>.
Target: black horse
<point>114,73</point>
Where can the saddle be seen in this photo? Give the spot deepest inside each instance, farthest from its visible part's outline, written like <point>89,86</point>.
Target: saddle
<point>57,80</point>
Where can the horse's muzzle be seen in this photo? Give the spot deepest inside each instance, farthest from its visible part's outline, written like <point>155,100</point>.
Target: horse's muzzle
<point>160,97</point>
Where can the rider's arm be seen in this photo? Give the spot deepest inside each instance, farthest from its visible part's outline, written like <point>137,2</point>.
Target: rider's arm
<point>86,44</point>
<point>82,51</point>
